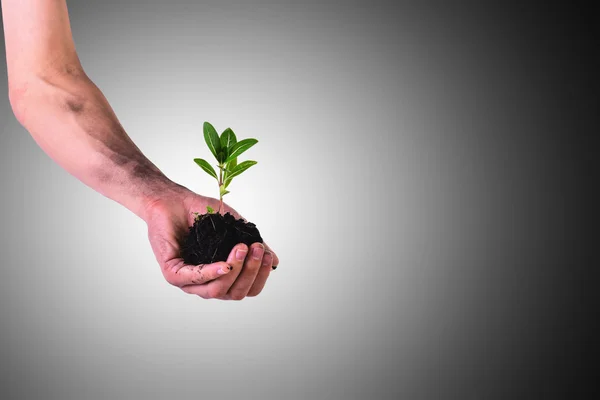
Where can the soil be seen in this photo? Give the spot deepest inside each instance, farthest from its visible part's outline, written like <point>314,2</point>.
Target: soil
<point>213,235</point>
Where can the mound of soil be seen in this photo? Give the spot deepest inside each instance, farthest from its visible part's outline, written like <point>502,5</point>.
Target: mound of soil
<point>213,235</point>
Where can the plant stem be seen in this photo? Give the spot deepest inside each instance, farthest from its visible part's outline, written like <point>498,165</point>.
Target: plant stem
<point>220,183</point>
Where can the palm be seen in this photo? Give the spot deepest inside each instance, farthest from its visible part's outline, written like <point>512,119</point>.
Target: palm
<point>168,223</point>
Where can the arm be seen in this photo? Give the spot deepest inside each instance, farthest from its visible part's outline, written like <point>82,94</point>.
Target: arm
<point>71,120</point>
<point>66,113</point>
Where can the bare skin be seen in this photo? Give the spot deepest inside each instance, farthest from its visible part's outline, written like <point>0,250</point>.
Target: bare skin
<point>71,120</point>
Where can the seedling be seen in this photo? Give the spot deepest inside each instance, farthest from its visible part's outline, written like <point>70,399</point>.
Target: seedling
<point>212,236</point>
<point>225,149</point>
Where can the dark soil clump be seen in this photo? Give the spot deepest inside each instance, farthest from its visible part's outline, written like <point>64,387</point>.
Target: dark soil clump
<point>213,235</point>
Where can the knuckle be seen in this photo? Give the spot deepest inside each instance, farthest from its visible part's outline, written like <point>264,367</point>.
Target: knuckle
<point>254,266</point>
<point>171,279</point>
<point>237,296</point>
<point>199,278</point>
<point>170,273</point>
<point>216,292</point>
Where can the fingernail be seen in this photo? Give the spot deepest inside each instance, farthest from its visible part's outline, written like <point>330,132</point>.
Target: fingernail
<point>240,254</point>
<point>258,252</point>
<point>267,258</point>
<point>274,266</point>
<point>222,271</point>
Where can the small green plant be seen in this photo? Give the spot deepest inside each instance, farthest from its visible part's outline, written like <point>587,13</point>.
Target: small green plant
<point>226,150</point>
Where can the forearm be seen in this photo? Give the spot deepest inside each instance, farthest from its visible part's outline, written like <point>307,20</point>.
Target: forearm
<point>71,120</point>
<point>66,113</point>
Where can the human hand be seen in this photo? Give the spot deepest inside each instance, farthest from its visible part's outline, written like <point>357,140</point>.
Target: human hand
<point>245,272</point>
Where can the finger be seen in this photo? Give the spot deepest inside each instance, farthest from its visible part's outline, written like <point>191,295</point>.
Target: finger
<point>275,258</point>
<point>244,281</point>
<point>263,275</point>
<point>177,273</point>
<point>218,288</point>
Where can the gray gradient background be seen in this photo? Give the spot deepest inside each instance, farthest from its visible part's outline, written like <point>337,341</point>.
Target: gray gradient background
<point>418,175</point>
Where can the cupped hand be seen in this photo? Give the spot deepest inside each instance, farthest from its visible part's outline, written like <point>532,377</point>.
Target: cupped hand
<point>245,272</point>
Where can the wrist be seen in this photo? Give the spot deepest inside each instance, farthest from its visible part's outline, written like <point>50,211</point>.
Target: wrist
<point>158,192</point>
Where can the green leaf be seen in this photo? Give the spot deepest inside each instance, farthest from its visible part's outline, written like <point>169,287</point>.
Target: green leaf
<point>222,190</point>
<point>240,147</point>
<point>212,139</point>
<point>228,139</point>
<point>206,167</point>
<point>222,156</point>
<point>227,182</point>
<point>229,167</point>
<point>232,164</point>
<point>210,210</point>
<point>241,167</point>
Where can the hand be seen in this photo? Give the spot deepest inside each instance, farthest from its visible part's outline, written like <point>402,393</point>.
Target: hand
<point>243,274</point>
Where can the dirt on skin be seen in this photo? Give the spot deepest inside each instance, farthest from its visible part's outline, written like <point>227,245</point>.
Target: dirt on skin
<point>213,236</point>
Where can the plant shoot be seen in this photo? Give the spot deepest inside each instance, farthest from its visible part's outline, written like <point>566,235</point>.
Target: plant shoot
<point>226,149</point>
